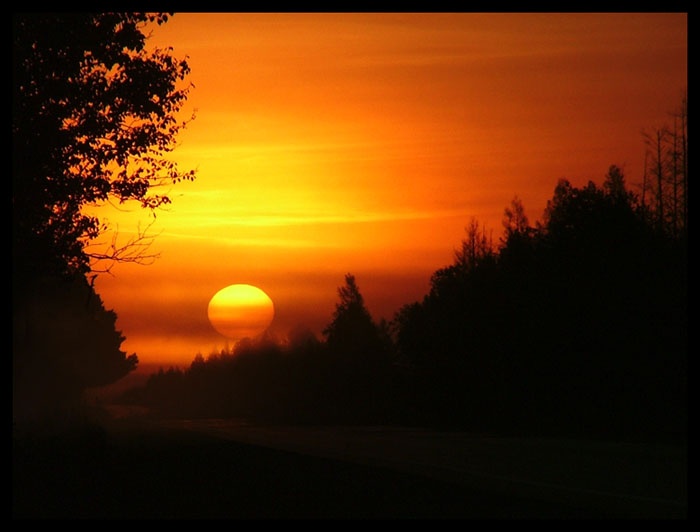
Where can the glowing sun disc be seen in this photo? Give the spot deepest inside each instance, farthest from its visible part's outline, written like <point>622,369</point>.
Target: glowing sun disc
<point>240,311</point>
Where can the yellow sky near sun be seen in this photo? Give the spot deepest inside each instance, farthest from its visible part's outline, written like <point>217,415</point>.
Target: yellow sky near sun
<point>364,143</point>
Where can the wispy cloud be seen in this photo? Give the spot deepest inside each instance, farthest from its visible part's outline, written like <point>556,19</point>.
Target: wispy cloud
<point>296,219</point>
<point>250,241</point>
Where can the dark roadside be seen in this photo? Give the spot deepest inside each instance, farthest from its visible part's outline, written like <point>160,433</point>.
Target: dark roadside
<point>133,471</point>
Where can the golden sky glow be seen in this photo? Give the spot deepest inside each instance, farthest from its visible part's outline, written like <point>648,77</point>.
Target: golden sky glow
<point>335,143</point>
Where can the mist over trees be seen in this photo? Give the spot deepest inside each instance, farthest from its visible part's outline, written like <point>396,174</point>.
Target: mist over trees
<point>94,116</point>
<point>344,379</point>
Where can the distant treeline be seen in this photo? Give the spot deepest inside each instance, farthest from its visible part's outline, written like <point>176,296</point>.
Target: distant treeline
<point>574,327</point>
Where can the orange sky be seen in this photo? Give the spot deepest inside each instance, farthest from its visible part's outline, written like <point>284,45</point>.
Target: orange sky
<point>333,143</point>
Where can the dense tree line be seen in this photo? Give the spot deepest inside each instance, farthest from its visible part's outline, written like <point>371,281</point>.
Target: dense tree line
<point>576,326</point>
<point>344,379</point>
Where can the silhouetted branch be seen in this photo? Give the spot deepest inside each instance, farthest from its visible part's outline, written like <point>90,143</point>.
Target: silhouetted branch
<point>135,250</point>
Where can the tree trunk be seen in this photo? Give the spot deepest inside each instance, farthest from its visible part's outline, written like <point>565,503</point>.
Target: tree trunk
<point>659,181</point>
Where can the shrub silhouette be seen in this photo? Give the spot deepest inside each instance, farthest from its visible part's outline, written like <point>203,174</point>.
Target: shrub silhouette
<point>64,341</point>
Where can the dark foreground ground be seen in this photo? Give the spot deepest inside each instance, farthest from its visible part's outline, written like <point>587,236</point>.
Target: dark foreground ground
<point>144,471</point>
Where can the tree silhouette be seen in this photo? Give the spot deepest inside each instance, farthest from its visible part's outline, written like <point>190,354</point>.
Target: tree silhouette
<point>93,118</point>
<point>476,248</point>
<point>514,219</point>
<point>665,180</point>
<point>352,333</point>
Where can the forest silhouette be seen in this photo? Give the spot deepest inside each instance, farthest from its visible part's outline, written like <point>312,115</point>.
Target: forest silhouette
<point>575,327</point>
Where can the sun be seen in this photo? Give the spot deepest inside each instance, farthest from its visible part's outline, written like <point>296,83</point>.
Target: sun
<point>240,311</point>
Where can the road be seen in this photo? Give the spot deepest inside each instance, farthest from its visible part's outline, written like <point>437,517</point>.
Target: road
<point>618,479</point>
